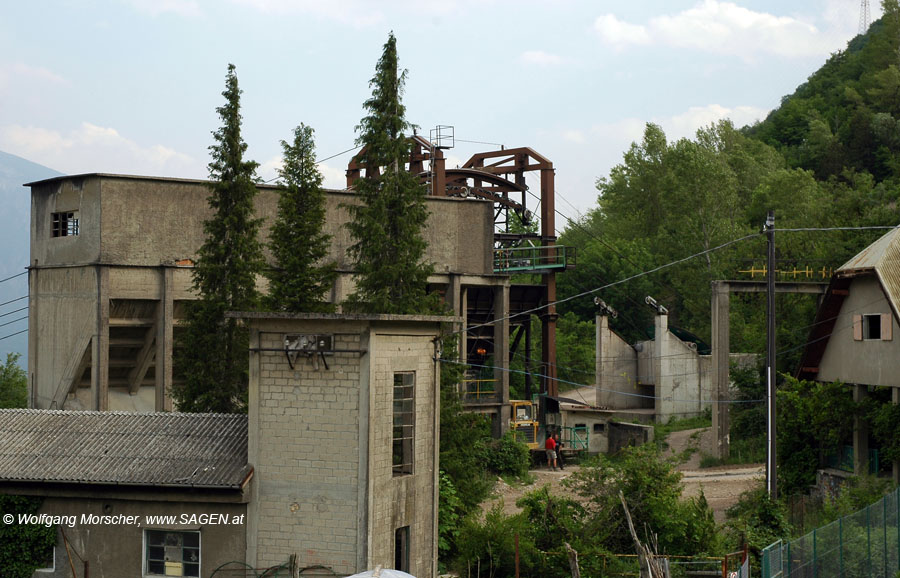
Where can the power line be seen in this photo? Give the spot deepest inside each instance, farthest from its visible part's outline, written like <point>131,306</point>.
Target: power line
<point>13,334</point>
<point>614,283</point>
<point>13,321</point>
<point>13,301</point>
<point>14,276</point>
<point>585,386</point>
<point>320,161</point>
<point>14,311</point>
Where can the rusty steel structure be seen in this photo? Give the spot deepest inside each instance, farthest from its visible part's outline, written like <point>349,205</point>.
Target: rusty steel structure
<point>499,176</point>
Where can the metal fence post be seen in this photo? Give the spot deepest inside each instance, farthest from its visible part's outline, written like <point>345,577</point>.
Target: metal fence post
<point>869,540</point>
<point>884,534</point>
<point>841,545</point>
<point>814,560</point>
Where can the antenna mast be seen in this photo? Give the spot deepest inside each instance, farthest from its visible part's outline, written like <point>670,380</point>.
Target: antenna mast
<point>864,16</point>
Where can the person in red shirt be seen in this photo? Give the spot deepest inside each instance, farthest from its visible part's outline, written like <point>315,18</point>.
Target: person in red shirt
<point>550,446</point>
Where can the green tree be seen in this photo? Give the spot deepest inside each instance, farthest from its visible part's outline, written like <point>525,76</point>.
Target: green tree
<point>213,351</point>
<point>24,547</point>
<point>299,280</point>
<point>388,244</point>
<point>13,383</point>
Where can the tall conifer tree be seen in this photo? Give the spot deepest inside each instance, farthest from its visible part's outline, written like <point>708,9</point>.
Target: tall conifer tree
<point>299,280</point>
<point>386,227</point>
<point>213,352</point>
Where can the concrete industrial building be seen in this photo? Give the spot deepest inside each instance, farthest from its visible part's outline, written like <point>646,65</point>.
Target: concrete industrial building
<point>111,260</point>
<point>334,467</point>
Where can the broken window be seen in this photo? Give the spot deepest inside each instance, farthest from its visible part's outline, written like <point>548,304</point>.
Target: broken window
<point>404,422</point>
<point>65,224</point>
<point>172,553</point>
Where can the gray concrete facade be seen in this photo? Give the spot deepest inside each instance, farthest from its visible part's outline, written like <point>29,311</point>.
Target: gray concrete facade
<point>320,440</point>
<point>104,304</point>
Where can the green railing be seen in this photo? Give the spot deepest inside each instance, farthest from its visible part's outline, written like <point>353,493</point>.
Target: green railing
<point>842,459</point>
<point>865,544</point>
<point>575,438</point>
<point>553,257</point>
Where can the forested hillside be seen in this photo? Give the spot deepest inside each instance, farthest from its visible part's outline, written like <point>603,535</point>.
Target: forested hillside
<point>829,156</point>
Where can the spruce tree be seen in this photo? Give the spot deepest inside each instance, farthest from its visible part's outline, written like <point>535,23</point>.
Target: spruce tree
<point>386,227</point>
<point>213,355</point>
<point>299,280</point>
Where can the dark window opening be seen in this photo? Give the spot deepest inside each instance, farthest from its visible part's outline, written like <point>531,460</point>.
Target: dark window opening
<point>65,224</point>
<point>599,427</point>
<point>401,549</point>
<point>403,423</point>
<point>872,326</point>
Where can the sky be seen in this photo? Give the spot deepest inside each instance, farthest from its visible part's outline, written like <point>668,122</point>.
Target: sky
<point>132,86</point>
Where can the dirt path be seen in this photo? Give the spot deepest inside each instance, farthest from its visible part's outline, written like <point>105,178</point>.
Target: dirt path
<point>722,486</point>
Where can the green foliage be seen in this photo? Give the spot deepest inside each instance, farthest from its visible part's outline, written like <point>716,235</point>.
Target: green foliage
<point>23,547</point>
<point>813,419</point>
<point>299,280</point>
<point>758,521</point>
<point>507,456</point>
<point>13,383</point>
<point>386,227</point>
<point>212,353</point>
<point>449,510</point>
<point>652,489</point>
<point>490,544</point>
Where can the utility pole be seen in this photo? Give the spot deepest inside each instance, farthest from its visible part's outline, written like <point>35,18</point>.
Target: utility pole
<point>771,477</point>
<point>864,16</point>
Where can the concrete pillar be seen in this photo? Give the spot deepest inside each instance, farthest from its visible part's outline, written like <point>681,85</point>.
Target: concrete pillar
<point>860,434</point>
<point>100,345</point>
<point>501,353</point>
<point>895,399</point>
<point>32,336</point>
<point>603,362</point>
<point>164,336</point>
<point>663,387</point>
<point>720,359</point>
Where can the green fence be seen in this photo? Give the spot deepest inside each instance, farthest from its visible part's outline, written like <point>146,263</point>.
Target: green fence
<point>863,544</point>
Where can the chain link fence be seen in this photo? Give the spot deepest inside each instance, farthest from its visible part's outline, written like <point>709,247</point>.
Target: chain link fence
<point>863,544</point>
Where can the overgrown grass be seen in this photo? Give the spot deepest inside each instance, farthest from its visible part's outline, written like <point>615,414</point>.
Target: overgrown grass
<point>661,431</point>
<point>742,451</point>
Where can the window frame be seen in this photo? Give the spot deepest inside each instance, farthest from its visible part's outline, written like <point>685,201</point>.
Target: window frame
<point>182,533</point>
<point>403,423</point>
<point>401,549</point>
<point>64,224</point>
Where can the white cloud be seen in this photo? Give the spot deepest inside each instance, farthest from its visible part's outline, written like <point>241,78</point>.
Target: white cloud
<point>92,148</point>
<point>575,136</point>
<point>720,27</point>
<point>540,58</point>
<point>619,34</point>
<point>357,13</point>
<point>188,8</point>
<point>685,125</point>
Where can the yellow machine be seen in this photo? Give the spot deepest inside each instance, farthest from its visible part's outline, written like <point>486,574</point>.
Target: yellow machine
<point>524,422</point>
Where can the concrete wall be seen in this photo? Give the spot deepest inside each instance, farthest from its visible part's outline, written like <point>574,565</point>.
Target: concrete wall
<point>62,321</point>
<point>114,551</point>
<point>616,370</point>
<point>146,221</point>
<point>321,446</point>
<point>627,434</point>
<point>872,362</point>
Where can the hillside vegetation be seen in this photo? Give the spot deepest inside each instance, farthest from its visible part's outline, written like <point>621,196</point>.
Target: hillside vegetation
<point>828,157</point>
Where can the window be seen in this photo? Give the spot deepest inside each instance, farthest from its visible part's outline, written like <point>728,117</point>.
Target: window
<point>401,549</point>
<point>172,553</point>
<point>65,224</point>
<point>48,563</point>
<point>872,327</point>
<point>404,422</point>
<point>599,427</point>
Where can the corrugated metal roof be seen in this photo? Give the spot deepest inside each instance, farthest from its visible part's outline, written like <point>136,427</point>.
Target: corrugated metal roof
<point>146,449</point>
<point>883,258</point>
